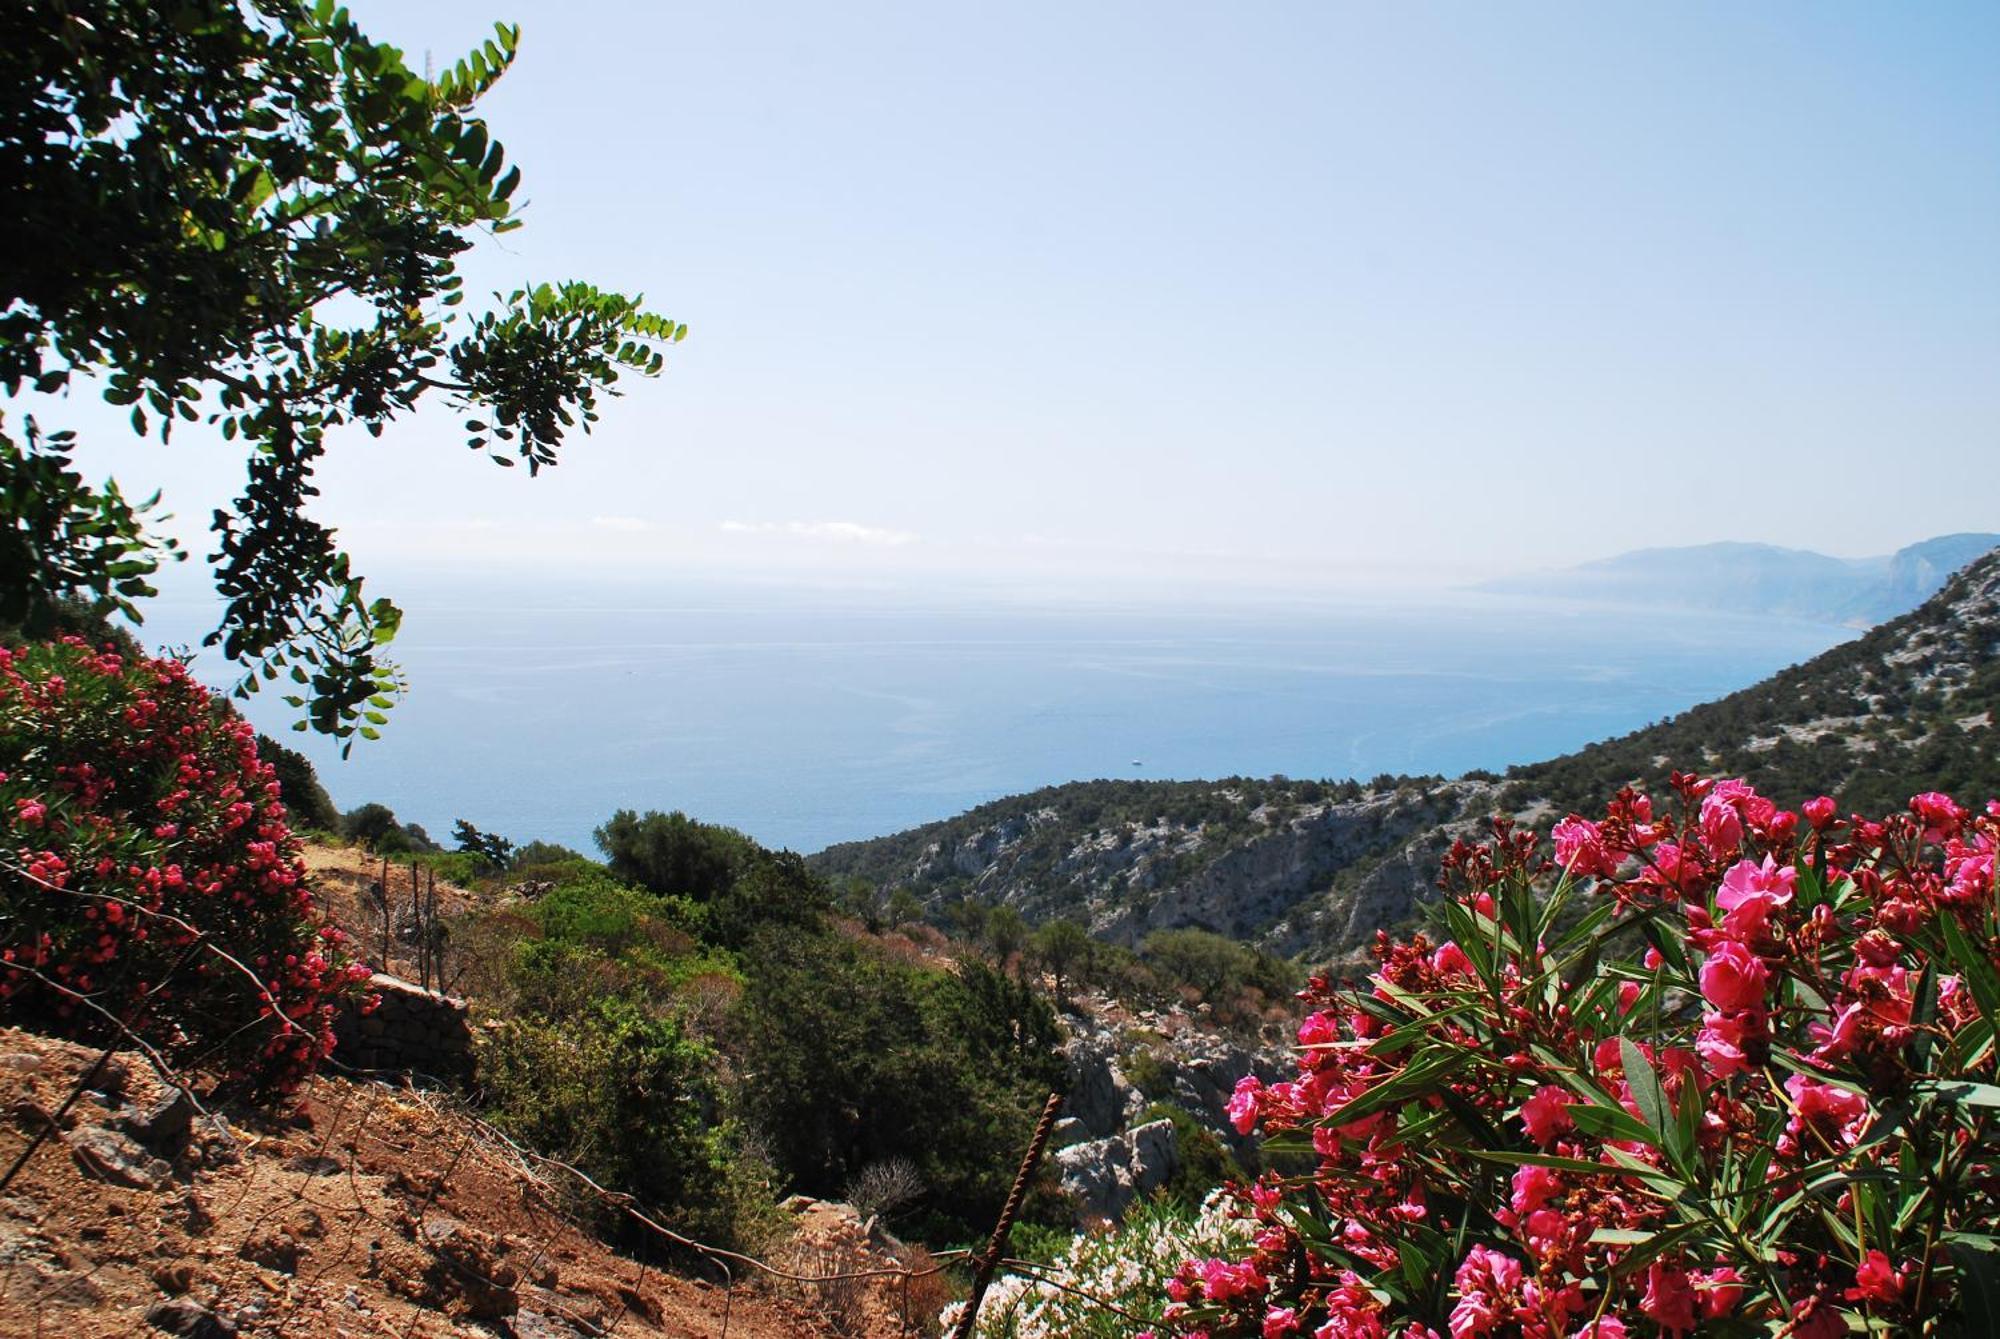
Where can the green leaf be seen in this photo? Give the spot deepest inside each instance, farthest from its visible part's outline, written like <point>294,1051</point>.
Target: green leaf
<point>1647,1094</point>
<point>1609,1122</point>
<point>1964,1093</point>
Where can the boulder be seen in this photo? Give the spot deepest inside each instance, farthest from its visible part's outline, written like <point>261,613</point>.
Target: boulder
<point>110,1156</point>
<point>1099,1094</point>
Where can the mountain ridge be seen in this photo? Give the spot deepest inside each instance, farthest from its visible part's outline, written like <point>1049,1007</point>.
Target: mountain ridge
<point>1314,868</point>
<point>1751,578</point>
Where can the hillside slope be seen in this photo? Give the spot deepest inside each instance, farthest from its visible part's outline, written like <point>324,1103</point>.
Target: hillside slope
<point>1315,868</point>
<point>367,1212</point>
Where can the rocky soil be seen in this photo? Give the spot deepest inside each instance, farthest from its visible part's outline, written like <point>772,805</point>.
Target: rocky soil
<point>368,1211</point>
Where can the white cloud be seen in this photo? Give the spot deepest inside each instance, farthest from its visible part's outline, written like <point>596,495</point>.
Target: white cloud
<point>624,524</point>
<point>838,532</point>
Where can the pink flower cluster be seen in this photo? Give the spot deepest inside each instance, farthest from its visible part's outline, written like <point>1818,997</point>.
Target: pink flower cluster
<point>135,816</point>
<point>1706,1061</point>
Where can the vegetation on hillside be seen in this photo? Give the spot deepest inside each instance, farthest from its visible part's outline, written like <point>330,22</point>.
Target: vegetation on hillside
<point>1912,705</point>
<point>689,1022</point>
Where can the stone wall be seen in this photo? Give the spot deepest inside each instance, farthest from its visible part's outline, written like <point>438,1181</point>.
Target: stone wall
<point>412,1031</point>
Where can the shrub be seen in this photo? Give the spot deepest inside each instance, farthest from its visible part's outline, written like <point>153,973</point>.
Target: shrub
<point>624,1096</point>
<point>854,1058</point>
<point>375,827</point>
<point>1130,1266</point>
<point>138,817</point>
<point>1750,1090</point>
<point>671,853</point>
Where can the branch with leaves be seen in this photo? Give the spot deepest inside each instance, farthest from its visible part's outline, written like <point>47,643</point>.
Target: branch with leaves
<point>248,217</point>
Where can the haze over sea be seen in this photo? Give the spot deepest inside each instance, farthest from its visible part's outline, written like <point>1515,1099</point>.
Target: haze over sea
<point>808,717</point>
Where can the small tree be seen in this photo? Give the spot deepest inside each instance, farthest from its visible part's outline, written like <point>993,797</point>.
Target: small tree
<point>1062,946</point>
<point>493,850</point>
<point>903,909</point>
<point>672,853</point>
<point>1006,932</point>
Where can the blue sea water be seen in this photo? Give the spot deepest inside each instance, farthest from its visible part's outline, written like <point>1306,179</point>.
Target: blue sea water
<point>806,718</point>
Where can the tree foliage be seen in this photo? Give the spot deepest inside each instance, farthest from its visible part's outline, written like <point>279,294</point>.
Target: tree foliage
<point>249,214</point>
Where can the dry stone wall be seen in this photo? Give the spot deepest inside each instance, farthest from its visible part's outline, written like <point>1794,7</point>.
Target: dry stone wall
<point>410,1030</point>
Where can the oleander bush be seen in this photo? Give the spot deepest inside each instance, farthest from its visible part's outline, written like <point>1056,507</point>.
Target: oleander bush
<point>1711,1066</point>
<point>147,872</point>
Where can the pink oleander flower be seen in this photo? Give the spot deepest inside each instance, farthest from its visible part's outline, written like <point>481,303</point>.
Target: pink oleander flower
<point>1669,1301</point>
<point>1824,1119</point>
<point>1580,848</point>
<point>1533,1187</point>
<point>1718,1291</point>
<point>1734,978</point>
<point>1820,812</point>
<point>1751,892</point>
<point>1877,1281</point>
<point>1450,960</point>
<point>1222,1281</point>
<point>1940,815</point>
<point>1721,827</point>
<point>1489,1285</point>
<point>1280,1321</point>
<point>1242,1107</point>
<point>1720,1044</point>
<point>1546,1114</point>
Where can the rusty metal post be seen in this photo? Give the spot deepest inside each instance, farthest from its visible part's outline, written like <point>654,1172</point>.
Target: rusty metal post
<point>996,1249</point>
<point>386,900</point>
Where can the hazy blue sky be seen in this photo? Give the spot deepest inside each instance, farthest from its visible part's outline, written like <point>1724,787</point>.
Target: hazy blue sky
<point>1092,291</point>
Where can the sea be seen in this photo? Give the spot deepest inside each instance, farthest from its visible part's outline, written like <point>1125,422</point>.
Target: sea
<point>809,716</point>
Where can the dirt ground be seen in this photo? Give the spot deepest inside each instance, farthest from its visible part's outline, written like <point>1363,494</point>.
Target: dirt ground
<point>371,1211</point>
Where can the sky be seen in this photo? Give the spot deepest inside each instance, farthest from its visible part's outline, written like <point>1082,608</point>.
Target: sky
<point>1122,296</point>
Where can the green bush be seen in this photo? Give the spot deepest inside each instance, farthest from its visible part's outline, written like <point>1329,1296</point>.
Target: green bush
<point>626,1098</point>
<point>671,853</point>
<point>852,1058</point>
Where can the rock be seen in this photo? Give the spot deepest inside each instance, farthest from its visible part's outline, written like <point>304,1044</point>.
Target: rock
<point>535,1325</point>
<point>112,1077</point>
<point>162,1124</point>
<point>1202,1069</point>
<point>111,1156</point>
<point>310,1164</point>
<point>1099,1093</point>
<point>273,1250</point>
<point>21,1062</point>
<point>1069,1130</point>
<point>1104,1176</point>
<point>187,1317</point>
<point>174,1278</point>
